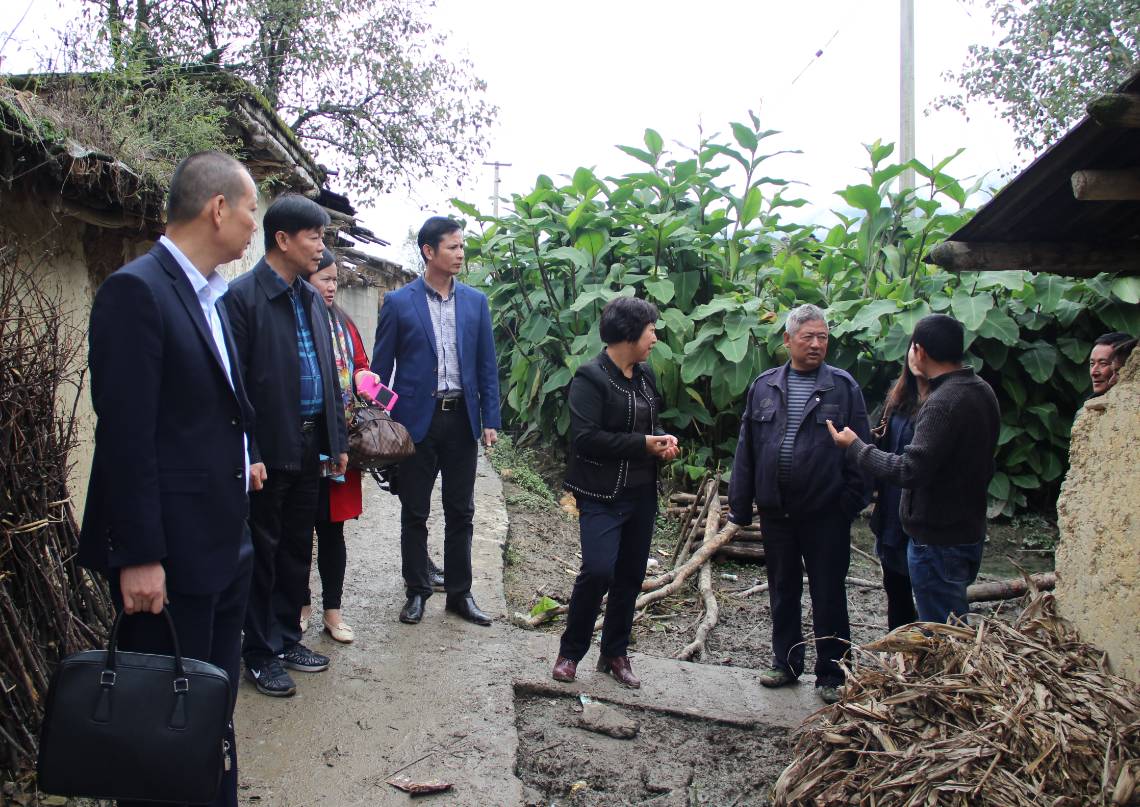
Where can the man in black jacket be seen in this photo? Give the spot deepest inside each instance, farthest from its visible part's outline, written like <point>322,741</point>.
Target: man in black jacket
<point>165,518</point>
<point>945,472</point>
<point>285,345</point>
<point>806,494</point>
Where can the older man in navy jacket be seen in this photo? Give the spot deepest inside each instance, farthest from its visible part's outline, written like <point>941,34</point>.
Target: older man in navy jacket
<point>166,508</point>
<point>806,493</point>
<point>436,334</point>
<point>281,329</point>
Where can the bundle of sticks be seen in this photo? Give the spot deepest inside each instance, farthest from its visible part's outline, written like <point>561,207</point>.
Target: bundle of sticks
<point>48,606</point>
<point>694,510</point>
<point>1022,714</point>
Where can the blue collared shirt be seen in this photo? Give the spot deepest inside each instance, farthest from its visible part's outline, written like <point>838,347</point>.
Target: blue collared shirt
<point>312,388</point>
<point>209,290</point>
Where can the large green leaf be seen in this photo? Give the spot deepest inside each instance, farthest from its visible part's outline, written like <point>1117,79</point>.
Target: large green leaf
<point>558,379</point>
<point>862,197</point>
<point>677,323</point>
<point>971,309</point>
<point>653,141</point>
<point>1039,360</point>
<point>701,363</point>
<point>733,350</point>
<point>1000,326</point>
<point>1076,349</point>
<point>686,285</point>
<point>999,486</point>
<point>895,345</point>
<point>750,208</point>
<point>1050,290</point>
<point>1127,289</point>
<point>745,136</point>
<point>660,289</point>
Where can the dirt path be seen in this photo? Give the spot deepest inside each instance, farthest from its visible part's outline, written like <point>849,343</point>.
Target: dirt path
<point>439,692</point>
<point>468,705</point>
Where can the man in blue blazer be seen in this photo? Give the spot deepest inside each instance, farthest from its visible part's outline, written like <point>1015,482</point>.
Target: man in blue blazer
<point>167,503</point>
<point>436,334</point>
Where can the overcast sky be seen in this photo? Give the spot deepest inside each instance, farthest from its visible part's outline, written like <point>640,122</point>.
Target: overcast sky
<point>572,80</point>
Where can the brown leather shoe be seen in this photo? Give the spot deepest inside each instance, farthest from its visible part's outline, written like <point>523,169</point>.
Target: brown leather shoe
<point>565,669</point>
<point>619,668</point>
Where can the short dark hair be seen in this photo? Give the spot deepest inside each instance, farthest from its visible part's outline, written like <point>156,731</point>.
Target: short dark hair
<point>434,230</point>
<point>624,319</point>
<point>327,260</point>
<point>290,213</point>
<point>941,336</point>
<point>1122,350</point>
<point>1112,338</point>
<point>199,178</point>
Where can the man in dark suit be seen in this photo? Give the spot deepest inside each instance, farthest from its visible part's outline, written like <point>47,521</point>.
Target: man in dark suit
<point>166,508</point>
<point>284,343</point>
<point>437,333</point>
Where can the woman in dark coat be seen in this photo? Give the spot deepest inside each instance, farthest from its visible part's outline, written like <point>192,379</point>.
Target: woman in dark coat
<point>894,433</point>
<point>616,444</point>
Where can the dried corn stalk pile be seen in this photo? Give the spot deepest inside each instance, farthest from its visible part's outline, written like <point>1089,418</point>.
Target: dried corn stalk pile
<point>949,715</point>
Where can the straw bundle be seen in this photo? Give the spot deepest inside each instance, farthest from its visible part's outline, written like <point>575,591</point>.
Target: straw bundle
<point>951,715</point>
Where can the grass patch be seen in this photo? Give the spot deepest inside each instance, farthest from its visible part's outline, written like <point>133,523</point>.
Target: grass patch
<point>516,465</point>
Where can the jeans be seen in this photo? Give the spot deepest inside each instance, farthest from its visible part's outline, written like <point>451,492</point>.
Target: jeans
<point>615,547</point>
<point>940,576</point>
<point>821,545</point>
<point>447,450</point>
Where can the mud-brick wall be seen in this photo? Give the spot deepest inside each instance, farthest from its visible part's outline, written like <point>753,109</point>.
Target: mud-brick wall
<point>1098,557</point>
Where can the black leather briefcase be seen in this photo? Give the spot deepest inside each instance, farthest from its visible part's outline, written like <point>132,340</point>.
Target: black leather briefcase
<point>134,726</point>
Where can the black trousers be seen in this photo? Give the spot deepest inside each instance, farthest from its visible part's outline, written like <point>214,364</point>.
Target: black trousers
<point>332,558</point>
<point>447,450</point>
<point>209,629</point>
<point>615,547</point>
<point>900,599</point>
<point>821,544</point>
<point>281,517</point>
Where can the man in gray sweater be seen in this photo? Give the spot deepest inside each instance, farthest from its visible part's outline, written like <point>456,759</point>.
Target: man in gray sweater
<point>945,472</point>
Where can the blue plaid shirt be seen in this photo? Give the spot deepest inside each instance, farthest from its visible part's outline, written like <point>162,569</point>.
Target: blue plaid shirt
<point>312,390</point>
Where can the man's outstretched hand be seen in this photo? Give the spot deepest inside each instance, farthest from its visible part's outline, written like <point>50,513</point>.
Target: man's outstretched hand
<point>842,438</point>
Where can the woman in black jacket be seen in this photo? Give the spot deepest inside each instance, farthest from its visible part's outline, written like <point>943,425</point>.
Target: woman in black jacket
<point>615,445</point>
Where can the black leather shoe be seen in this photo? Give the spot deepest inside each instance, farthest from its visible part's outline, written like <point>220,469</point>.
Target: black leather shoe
<point>435,577</point>
<point>413,610</point>
<point>465,606</point>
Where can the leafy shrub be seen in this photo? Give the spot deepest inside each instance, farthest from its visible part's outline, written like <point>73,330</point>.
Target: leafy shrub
<point>725,266</point>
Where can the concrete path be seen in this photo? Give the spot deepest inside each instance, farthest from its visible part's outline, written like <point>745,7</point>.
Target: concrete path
<point>436,700</point>
<point>433,699</point>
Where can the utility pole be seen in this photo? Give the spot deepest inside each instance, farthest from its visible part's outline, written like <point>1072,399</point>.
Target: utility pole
<point>906,91</point>
<point>495,198</point>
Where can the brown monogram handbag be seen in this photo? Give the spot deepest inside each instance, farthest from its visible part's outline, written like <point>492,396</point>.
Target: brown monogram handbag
<point>375,440</point>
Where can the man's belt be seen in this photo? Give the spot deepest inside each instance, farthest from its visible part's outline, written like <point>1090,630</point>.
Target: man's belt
<point>309,423</point>
<point>449,404</point>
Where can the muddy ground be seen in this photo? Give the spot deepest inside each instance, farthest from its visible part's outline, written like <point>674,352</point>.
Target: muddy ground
<point>672,762</point>
<point>542,558</point>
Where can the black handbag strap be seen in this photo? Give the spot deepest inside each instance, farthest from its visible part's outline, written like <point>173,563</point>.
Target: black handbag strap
<point>108,676</point>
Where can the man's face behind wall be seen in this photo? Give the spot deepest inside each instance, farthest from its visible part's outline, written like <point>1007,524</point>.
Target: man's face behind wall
<point>1101,368</point>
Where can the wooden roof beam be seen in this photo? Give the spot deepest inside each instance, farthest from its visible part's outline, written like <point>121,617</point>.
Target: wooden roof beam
<point>1116,110</point>
<point>1072,259</point>
<point>1117,185</point>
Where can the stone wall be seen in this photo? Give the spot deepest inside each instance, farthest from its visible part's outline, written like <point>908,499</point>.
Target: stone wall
<point>1098,557</point>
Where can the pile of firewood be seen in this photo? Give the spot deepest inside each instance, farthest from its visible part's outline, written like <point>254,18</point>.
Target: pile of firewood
<point>694,511</point>
<point>1021,714</point>
<point>48,606</point>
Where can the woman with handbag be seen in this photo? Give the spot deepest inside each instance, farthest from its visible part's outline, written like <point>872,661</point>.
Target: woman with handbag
<point>340,498</point>
<point>616,445</point>
<point>894,433</point>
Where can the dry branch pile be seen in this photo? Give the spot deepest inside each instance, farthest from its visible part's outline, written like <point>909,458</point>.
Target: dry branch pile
<point>950,715</point>
<point>693,511</point>
<point>48,607</point>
